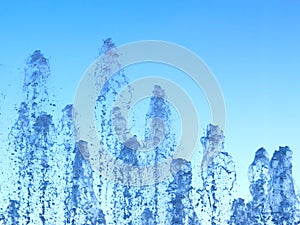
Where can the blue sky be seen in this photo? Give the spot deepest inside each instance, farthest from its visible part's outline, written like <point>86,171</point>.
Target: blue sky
<point>253,48</point>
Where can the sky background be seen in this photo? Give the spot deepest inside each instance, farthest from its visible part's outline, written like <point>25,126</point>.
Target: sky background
<point>252,47</point>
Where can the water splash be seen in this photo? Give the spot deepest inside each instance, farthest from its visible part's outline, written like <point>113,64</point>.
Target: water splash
<point>50,182</point>
<point>218,179</point>
<point>283,202</point>
<point>274,200</point>
<point>181,210</point>
<point>32,149</point>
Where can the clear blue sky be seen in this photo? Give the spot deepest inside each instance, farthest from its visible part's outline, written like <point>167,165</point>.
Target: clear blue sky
<point>253,48</point>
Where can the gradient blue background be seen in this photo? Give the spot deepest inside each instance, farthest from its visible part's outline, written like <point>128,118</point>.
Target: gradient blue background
<point>253,48</point>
